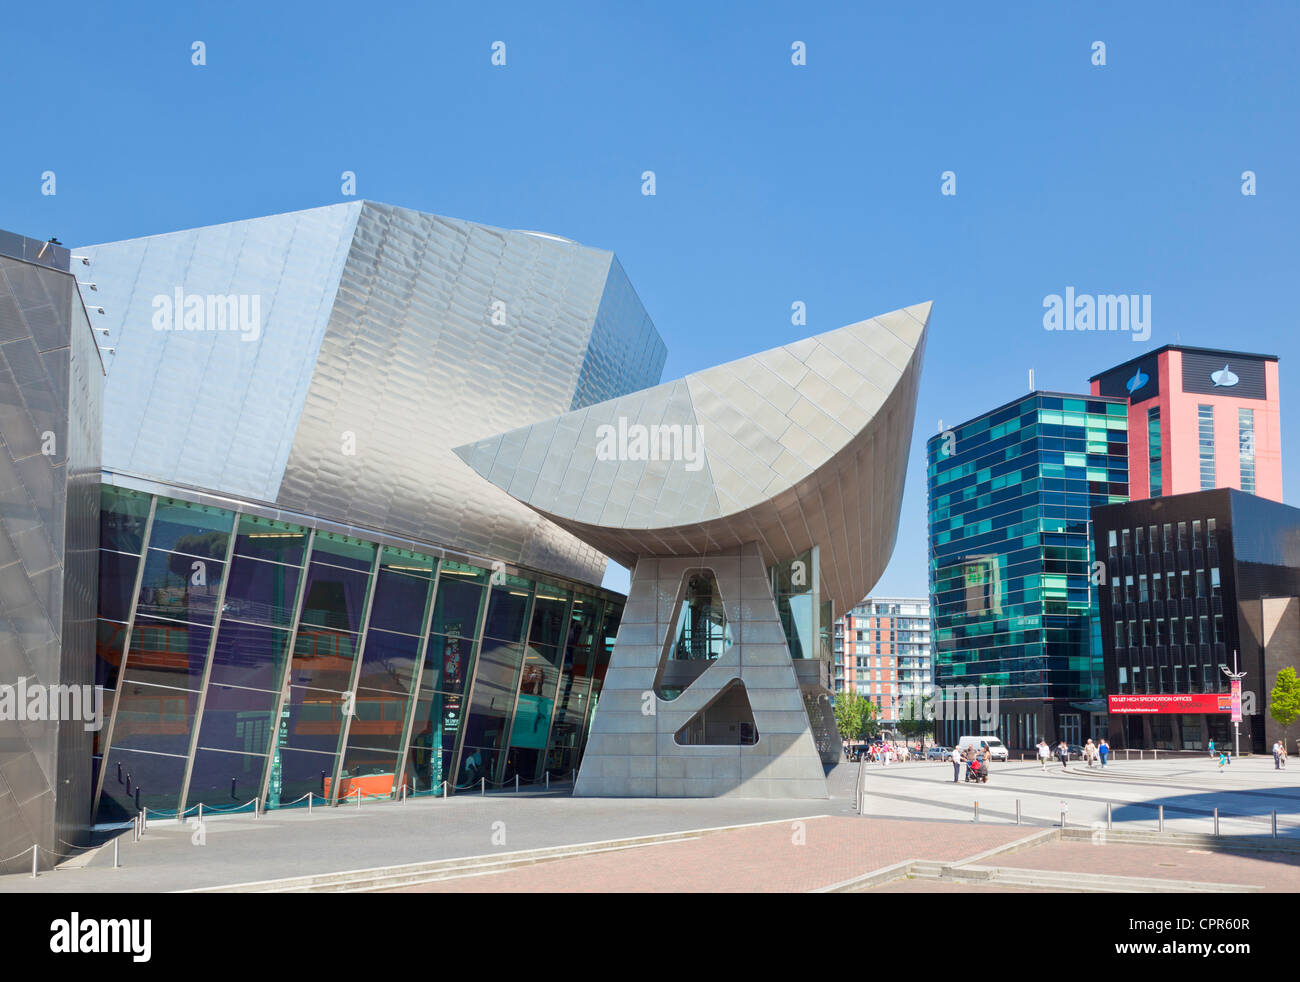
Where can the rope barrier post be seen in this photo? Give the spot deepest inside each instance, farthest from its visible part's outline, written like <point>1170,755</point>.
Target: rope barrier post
<point>482,785</point>
<point>548,780</point>
<point>1216,820</point>
<point>200,813</point>
<point>516,784</point>
<point>308,802</point>
<point>144,817</point>
<point>444,789</point>
<point>977,811</point>
<point>35,855</point>
<point>115,863</point>
<point>257,807</point>
<point>358,797</point>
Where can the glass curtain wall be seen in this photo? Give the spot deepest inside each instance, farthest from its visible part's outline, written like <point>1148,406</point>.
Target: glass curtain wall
<point>244,658</point>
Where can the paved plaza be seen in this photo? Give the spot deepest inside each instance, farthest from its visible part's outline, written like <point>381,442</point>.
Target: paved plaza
<point>918,832</point>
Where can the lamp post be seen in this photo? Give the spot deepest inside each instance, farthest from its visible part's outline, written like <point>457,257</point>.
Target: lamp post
<point>1235,677</point>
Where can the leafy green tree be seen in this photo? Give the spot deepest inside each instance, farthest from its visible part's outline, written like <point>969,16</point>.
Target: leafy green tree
<point>1284,700</point>
<point>855,715</point>
<point>912,723</point>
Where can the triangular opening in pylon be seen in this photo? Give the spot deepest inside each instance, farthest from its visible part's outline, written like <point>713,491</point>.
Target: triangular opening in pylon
<point>698,634</point>
<point>727,720</point>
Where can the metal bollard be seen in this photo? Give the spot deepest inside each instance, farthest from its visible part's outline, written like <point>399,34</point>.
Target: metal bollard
<point>1062,819</point>
<point>308,802</point>
<point>482,785</point>
<point>144,819</point>
<point>1108,816</point>
<point>1017,811</point>
<point>403,792</point>
<point>516,784</point>
<point>1275,823</point>
<point>548,780</point>
<point>1216,820</point>
<point>358,797</point>
<point>257,807</point>
<point>115,863</point>
<point>444,789</point>
<point>977,811</point>
<point>1160,818</point>
<point>35,855</point>
<point>200,813</point>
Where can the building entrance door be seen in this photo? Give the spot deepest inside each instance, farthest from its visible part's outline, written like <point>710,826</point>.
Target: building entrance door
<point>1070,729</point>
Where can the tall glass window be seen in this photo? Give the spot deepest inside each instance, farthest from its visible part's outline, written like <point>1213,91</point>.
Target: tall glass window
<point>1153,449</point>
<point>1205,428</point>
<point>1246,440</point>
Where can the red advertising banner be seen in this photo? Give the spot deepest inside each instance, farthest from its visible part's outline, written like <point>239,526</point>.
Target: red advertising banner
<point>1235,696</point>
<point>1192,702</point>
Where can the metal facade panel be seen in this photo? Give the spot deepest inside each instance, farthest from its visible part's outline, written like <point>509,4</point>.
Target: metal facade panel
<point>51,385</point>
<point>444,332</point>
<point>207,407</point>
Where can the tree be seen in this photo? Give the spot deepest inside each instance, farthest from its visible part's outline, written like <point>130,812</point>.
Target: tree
<point>1284,700</point>
<point>912,722</point>
<point>855,715</point>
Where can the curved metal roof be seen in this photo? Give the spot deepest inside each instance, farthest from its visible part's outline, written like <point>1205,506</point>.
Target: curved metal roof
<point>802,445</point>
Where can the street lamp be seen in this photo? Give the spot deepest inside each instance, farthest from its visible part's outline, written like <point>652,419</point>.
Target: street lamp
<point>1236,677</point>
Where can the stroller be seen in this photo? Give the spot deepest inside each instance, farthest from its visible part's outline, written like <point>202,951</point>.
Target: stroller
<point>976,771</point>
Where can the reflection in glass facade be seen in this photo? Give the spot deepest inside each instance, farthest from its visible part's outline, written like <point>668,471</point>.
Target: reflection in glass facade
<point>249,658</point>
<point>1011,597</point>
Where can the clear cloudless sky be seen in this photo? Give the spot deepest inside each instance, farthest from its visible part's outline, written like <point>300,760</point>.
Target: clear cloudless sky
<point>775,183</point>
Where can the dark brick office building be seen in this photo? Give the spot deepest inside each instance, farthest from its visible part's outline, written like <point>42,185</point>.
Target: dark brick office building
<point>1190,579</point>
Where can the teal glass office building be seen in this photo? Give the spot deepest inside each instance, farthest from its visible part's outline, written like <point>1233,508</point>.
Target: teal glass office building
<point>1012,600</point>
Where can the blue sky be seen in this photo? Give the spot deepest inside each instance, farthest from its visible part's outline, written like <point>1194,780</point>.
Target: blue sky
<point>775,183</point>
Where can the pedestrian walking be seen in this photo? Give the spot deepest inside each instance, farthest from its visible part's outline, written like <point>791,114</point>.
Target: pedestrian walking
<point>1090,751</point>
<point>1044,752</point>
<point>1277,755</point>
<point>1211,749</point>
<point>1223,759</point>
<point>1282,744</point>
<point>1064,752</point>
<point>956,765</point>
<point>1103,751</point>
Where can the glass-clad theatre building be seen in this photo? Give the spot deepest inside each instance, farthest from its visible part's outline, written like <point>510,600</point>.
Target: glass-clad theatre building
<point>300,587</point>
<point>245,657</point>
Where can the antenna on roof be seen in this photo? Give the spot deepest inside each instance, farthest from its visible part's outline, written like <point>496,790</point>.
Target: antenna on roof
<point>1031,380</point>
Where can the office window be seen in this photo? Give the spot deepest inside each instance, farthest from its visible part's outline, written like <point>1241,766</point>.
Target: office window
<point>1196,534</point>
<point>1215,587</point>
<point>1246,440</point>
<point>1110,538</point>
<point>1153,450</point>
<point>1182,535</point>
<point>1205,426</point>
<point>1169,537</point>
<point>1140,537</point>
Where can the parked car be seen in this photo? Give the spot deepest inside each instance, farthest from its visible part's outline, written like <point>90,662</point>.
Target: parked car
<point>938,753</point>
<point>1075,751</point>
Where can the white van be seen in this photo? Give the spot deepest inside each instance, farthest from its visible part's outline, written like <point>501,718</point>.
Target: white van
<point>996,747</point>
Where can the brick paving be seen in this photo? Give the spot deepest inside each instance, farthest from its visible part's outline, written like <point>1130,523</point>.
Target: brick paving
<point>1274,872</point>
<point>763,859</point>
